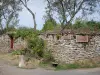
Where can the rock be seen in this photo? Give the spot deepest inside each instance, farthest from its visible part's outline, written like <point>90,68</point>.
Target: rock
<point>22,61</point>
<point>68,51</point>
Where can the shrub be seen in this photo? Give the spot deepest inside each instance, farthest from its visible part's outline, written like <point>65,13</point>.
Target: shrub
<point>82,24</point>
<point>18,52</point>
<point>48,56</point>
<point>36,46</point>
<point>78,24</point>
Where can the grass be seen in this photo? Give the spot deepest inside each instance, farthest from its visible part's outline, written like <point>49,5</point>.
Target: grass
<point>76,65</point>
<point>33,63</point>
<point>13,60</point>
<point>9,59</point>
<point>79,65</point>
<point>46,65</point>
<point>67,66</point>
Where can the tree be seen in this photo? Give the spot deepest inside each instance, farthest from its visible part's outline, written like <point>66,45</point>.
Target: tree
<point>24,2</point>
<point>49,25</point>
<point>67,9</point>
<point>9,12</point>
<point>86,25</point>
<point>49,14</point>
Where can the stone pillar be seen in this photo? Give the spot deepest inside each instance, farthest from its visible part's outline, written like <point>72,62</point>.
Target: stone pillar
<point>21,61</point>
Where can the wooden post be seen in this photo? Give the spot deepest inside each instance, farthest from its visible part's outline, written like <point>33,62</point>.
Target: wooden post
<point>12,42</point>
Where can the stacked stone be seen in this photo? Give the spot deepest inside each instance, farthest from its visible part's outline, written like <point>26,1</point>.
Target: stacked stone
<point>69,51</point>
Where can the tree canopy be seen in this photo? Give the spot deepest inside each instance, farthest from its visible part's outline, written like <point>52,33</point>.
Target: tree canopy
<point>49,25</point>
<point>67,9</point>
<point>9,12</point>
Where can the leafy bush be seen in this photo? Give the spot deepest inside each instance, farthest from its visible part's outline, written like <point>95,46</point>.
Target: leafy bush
<point>36,46</point>
<point>91,25</point>
<point>49,25</point>
<point>48,56</point>
<point>18,52</point>
<point>78,24</point>
<point>25,33</point>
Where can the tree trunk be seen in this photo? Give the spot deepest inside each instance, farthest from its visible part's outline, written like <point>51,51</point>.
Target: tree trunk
<point>34,22</point>
<point>12,43</point>
<point>33,15</point>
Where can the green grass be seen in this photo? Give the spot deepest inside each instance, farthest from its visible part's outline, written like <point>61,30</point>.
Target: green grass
<point>67,66</point>
<point>76,66</point>
<point>46,65</point>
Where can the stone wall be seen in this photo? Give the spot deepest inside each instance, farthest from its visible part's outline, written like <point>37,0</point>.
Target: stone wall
<point>69,51</point>
<point>5,43</point>
<point>19,44</point>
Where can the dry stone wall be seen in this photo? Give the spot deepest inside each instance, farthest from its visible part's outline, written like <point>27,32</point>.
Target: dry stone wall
<point>5,43</point>
<point>19,44</point>
<point>69,51</point>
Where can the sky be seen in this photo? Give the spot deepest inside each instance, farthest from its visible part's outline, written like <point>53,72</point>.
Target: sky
<point>38,7</point>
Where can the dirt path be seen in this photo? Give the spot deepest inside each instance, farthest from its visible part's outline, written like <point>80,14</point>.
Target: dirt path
<point>12,70</point>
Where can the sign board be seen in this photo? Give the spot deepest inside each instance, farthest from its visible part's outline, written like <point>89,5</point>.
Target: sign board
<point>81,38</point>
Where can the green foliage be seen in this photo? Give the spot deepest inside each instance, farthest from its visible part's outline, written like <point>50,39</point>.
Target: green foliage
<point>10,14</point>
<point>67,66</point>
<point>26,33</point>
<point>22,33</point>
<point>91,25</point>
<point>12,34</point>
<point>49,25</point>
<point>58,36</point>
<point>48,57</point>
<point>87,63</point>
<point>18,52</point>
<point>66,10</point>
<point>36,45</point>
<point>47,60</point>
<point>78,24</point>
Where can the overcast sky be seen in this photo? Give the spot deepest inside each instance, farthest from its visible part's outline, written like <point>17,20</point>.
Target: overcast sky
<point>38,7</point>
